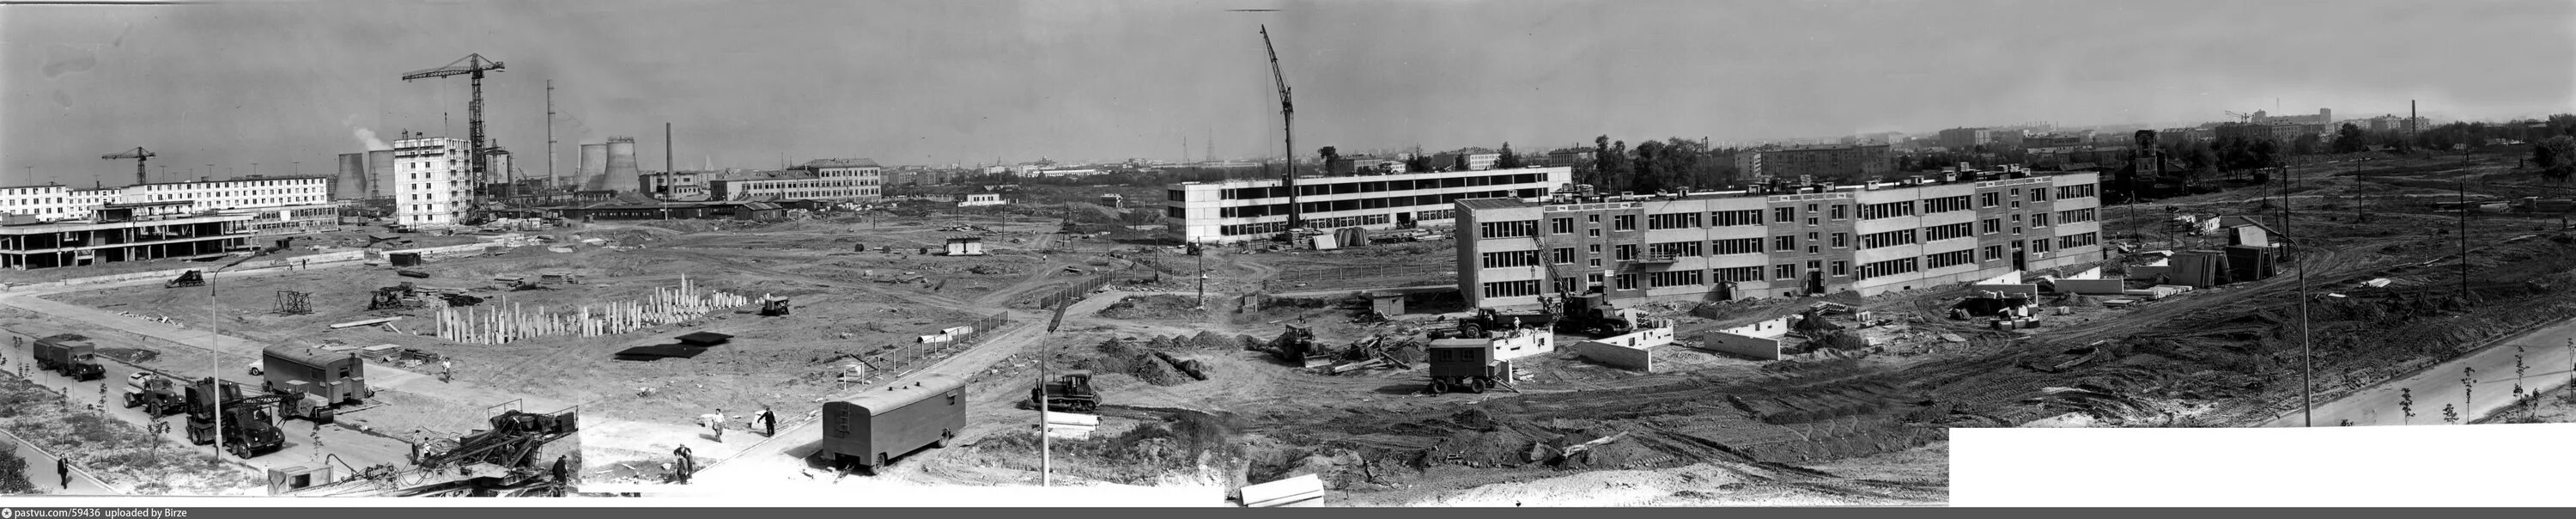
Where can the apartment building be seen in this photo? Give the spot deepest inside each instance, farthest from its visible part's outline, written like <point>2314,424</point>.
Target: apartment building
<point>432,184</point>
<point>823,179</point>
<point>1819,161</point>
<point>277,205</point>
<point>1777,240</point>
<point>1247,210</point>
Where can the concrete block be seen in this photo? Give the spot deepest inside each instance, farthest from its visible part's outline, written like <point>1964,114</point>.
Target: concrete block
<point>2091,286</point>
<point>1764,348</point>
<point>1616,355</point>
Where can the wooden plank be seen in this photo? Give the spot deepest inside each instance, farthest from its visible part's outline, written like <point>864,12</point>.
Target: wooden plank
<point>380,320</point>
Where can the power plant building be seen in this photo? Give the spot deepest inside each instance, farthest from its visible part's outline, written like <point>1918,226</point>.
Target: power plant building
<point>1777,240</point>
<point>1248,210</point>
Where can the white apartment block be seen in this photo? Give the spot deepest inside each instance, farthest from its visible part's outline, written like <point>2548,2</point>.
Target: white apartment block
<point>430,184</point>
<point>283,205</point>
<point>1248,210</point>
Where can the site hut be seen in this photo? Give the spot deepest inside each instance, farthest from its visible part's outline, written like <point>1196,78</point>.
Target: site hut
<point>980,199</point>
<point>871,429</point>
<point>324,376</point>
<point>1777,239</point>
<point>1251,210</point>
<point>966,246</point>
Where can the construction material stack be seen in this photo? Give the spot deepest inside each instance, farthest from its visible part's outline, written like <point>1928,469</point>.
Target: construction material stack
<point>71,355</point>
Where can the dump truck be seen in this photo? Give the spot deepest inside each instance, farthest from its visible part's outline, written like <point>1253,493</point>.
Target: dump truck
<point>870,430</point>
<point>314,382</point>
<point>247,423</point>
<point>71,355</point>
<point>1068,393</point>
<point>158,395</point>
<point>1465,364</point>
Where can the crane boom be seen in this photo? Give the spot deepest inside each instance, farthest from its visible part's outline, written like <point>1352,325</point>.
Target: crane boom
<point>1288,128</point>
<point>139,155</point>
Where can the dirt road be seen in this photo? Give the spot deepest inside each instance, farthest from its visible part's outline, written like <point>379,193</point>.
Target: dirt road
<point>41,471</point>
<point>2546,356</point>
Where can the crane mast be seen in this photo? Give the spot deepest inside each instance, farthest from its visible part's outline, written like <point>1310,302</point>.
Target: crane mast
<point>472,66</point>
<point>139,155</point>
<point>1288,128</point>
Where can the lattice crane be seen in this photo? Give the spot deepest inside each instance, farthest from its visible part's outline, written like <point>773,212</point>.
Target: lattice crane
<point>139,155</point>
<point>473,66</point>
<point>1288,128</point>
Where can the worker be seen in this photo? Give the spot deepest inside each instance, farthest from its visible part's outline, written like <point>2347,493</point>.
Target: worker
<point>419,440</point>
<point>560,476</point>
<point>719,424</point>
<point>63,467</point>
<point>769,421</point>
<point>687,463</point>
<point>446,371</point>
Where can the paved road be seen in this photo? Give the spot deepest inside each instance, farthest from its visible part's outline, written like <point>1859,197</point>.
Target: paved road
<point>781,458</point>
<point>41,471</point>
<point>2545,355</point>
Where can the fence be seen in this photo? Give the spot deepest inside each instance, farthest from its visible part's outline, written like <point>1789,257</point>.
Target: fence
<point>1075,292</point>
<point>906,357</point>
<point>1316,279</point>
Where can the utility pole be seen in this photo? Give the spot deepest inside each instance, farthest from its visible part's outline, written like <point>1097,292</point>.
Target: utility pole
<point>2464,238</point>
<point>2307,350</point>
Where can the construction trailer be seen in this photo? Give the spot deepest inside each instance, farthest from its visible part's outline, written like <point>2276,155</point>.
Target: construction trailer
<point>315,381</point>
<point>248,424</point>
<point>71,355</point>
<point>1465,364</point>
<point>870,430</point>
<point>1068,393</point>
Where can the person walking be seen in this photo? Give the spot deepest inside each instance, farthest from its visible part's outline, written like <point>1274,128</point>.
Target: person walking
<point>769,421</point>
<point>63,467</point>
<point>687,463</point>
<point>719,424</point>
<point>446,371</point>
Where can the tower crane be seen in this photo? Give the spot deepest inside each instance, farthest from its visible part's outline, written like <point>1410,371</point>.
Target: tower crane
<point>473,66</point>
<point>139,155</point>
<point>2241,116</point>
<point>1288,127</point>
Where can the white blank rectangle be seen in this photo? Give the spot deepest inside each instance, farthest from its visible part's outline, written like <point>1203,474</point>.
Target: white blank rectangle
<point>2426,465</point>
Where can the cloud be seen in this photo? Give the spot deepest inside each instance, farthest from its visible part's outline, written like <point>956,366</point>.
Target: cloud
<point>365,136</point>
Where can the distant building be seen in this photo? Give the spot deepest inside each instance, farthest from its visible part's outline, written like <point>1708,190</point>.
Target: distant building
<point>826,179</point>
<point>1819,161</point>
<point>980,199</point>
<point>1965,138</point>
<point>711,210</point>
<point>1247,210</point>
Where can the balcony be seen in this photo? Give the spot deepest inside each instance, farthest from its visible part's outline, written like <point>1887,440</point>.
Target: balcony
<point>1658,258</point>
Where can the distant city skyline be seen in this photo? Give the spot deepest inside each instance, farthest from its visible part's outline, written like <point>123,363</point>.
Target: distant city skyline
<point>761,84</point>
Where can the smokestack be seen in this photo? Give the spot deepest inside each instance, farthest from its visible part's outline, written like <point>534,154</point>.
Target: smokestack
<point>666,148</point>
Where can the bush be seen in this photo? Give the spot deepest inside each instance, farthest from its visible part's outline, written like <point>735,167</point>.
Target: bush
<point>13,471</point>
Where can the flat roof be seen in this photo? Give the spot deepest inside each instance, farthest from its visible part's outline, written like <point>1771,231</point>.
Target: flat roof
<point>1502,203</point>
<point>1390,176</point>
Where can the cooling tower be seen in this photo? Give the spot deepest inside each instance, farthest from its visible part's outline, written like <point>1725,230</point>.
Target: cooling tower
<point>380,174</point>
<point>593,165</point>
<point>351,183</point>
<point>621,165</point>
<point>501,174</point>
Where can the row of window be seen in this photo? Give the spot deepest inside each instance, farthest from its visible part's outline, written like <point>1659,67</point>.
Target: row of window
<point>1887,239</point>
<point>1443,199</point>
<point>1374,186</point>
<point>1945,232</point>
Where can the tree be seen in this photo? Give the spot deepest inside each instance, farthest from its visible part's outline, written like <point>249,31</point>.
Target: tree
<point>2308,144</point>
<point>1509,160</point>
<point>1330,155</point>
<point>1605,165</point>
<point>2556,157</point>
<point>2450,415</point>
<point>2406,403</point>
<point>2350,139</point>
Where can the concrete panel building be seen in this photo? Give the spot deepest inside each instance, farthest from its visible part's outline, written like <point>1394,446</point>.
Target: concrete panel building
<point>431,184</point>
<point>1247,210</point>
<point>1777,240</point>
<point>1844,161</point>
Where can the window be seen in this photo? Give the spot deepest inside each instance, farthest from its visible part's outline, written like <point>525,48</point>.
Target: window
<point>2075,191</point>
<point>1839,209</point>
<point>1626,252</point>
<point>1738,246</point>
<point>1784,214</point>
<point>1672,221</point>
<point>1739,274</point>
<point>1625,222</point>
<point>1595,278</point>
<point>1989,225</point>
<point>1994,252</point>
<point>1784,243</point>
<point>2039,195</point>
<point>2039,220</point>
<point>1515,229</point>
<point>1784,271</point>
<point>1561,225</point>
<point>1627,282</point>
<point>1593,218</point>
<point>1989,199</point>
<point>1889,268</point>
<point>1733,218</point>
<point>1676,278</point>
<point>2079,240</point>
<point>1949,259</point>
<point>2039,245</point>
<point>1887,239</point>
<point>2075,215</point>
<point>1495,260</point>
<point>1946,204</point>
<point>1840,240</point>
<point>1840,270</point>
<point>1675,249</point>
<point>1511,288</point>
<point>1561,255</point>
<point>1945,232</point>
<point>1887,210</point>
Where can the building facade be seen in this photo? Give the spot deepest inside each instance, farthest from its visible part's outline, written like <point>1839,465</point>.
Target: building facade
<point>1818,161</point>
<point>1247,210</point>
<point>1965,138</point>
<point>823,179</point>
<point>279,205</point>
<point>431,184</point>
<point>1776,241</point>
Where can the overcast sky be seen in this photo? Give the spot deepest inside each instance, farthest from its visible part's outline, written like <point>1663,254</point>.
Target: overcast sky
<point>748,84</point>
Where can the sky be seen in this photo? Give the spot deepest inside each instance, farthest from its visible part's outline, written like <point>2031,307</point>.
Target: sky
<point>284,87</point>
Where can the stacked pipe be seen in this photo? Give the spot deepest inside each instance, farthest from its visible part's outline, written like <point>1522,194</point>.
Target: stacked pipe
<point>505,321</point>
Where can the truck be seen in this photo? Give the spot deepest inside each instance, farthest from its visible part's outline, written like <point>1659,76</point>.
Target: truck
<point>314,382</point>
<point>1069,393</point>
<point>72,355</point>
<point>248,429</point>
<point>1465,364</point>
<point>870,430</point>
<point>157,394</point>
<point>1592,315</point>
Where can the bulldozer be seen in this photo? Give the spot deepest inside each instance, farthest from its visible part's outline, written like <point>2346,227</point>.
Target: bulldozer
<point>186,279</point>
<point>1297,346</point>
<point>1068,393</point>
<point>773,307</point>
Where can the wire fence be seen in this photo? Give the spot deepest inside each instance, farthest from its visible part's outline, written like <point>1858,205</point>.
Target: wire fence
<point>897,359</point>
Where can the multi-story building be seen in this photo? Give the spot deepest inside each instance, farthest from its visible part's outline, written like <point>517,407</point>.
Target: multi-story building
<point>828,179</point>
<point>432,184</point>
<point>1966,138</point>
<point>1246,210</point>
<point>1777,240</point>
<point>279,205</point>
<point>847,178</point>
<point>1817,161</point>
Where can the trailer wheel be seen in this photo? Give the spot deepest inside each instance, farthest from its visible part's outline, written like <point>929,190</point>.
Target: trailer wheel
<point>942,442</point>
<point>1439,386</point>
<point>1476,385</point>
